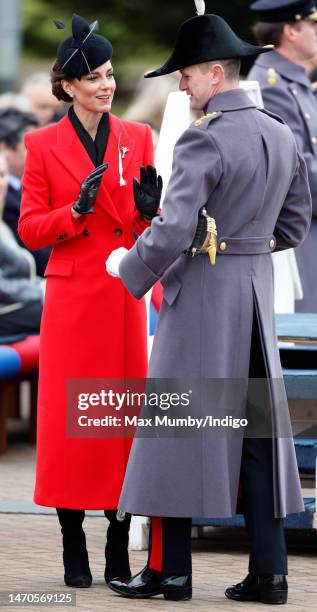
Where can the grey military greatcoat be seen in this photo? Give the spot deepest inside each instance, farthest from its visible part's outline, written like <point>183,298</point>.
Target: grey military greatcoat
<point>243,165</point>
<point>287,91</point>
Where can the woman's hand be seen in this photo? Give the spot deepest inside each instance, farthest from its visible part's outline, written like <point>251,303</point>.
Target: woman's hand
<point>147,192</point>
<point>88,191</point>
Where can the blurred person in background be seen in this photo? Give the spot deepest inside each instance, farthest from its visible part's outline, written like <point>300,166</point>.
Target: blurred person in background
<point>92,327</point>
<point>14,124</point>
<point>10,99</point>
<point>291,25</point>
<point>21,291</point>
<point>149,102</point>
<point>37,89</point>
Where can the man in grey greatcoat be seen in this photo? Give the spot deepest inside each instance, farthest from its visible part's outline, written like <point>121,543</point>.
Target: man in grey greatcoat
<point>240,166</point>
<point>291,25</point>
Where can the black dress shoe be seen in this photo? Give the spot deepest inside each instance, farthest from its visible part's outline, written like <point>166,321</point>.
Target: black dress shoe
<point>149,583</point>
<point>267,588</point>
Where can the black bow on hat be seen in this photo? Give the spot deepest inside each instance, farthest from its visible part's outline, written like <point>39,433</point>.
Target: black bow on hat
<point>84,51</point>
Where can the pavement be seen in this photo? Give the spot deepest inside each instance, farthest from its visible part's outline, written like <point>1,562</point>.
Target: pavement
<point>31,562</point>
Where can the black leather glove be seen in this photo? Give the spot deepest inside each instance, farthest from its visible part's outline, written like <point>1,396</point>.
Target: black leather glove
<point>88,191</point>
<point>147,192</point>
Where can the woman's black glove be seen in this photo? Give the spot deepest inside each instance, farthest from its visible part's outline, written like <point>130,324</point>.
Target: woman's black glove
<point>147,192</point>
<point>88,191</point>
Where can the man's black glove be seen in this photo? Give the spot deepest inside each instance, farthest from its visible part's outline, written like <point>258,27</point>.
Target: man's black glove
<point>147,192</point>
<point>88,191</point>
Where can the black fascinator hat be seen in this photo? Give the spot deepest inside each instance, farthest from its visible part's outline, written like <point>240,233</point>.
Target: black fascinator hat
<point>84,51</point>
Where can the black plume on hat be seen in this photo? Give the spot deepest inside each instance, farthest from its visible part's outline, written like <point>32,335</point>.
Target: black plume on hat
<point>84,50</point>
<point>202,39</point>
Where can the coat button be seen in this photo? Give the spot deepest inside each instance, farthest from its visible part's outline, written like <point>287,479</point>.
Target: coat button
<point>272,244</point>
<point>295,92</point>
<point>307,116</point>
<point>62,236</point>
<point>86,231</point>
<point>314,140</point>
<point>223,246</point>
<point>118,231</point>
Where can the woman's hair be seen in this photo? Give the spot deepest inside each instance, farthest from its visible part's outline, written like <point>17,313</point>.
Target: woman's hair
<point>57,76</point>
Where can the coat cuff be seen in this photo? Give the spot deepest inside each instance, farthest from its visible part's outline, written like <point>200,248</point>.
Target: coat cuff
<point>78,224</point>
<point>135,274</point>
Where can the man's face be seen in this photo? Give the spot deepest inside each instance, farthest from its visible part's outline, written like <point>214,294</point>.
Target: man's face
<point>15,157</point>
<point>306,39</point>
<point>197,83</point>
<point>44,104</point>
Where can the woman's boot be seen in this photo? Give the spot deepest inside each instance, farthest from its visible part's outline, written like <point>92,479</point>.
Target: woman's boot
<point>75,556</point>
<point>116,551</point>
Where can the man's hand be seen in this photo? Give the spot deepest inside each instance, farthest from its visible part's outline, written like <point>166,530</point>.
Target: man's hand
<point>114,260</point>
<point>88,191</point>
<point>147,193</point>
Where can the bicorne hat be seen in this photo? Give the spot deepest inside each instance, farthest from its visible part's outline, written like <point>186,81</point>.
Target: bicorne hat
<point>205,38</point>
<point>84,51</point>
<point>279,11</point>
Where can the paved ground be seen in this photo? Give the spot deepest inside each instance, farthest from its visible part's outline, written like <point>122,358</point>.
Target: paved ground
<point>30,557</point>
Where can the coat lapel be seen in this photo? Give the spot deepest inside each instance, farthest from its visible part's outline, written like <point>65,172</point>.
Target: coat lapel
<point>72,155</point>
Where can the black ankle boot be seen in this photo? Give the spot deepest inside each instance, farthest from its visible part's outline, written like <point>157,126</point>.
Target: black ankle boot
<point>75,556</point>
<point>116,551</point>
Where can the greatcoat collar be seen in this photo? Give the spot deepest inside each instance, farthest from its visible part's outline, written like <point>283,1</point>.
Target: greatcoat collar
<point>288,70</point>
<point>234,99</point>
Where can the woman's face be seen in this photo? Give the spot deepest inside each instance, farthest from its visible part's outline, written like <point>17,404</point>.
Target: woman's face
<point>94,92</point>
<point>3,182</point>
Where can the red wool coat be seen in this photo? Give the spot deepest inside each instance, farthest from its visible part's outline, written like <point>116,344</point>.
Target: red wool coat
<point>91,326</point>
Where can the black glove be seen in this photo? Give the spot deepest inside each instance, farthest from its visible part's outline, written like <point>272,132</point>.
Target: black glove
<point>147,193</point>
<point>88,191</point>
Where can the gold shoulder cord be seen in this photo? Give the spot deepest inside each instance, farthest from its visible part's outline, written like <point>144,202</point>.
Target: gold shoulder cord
<point>271,77</point>
<point>210,244</point>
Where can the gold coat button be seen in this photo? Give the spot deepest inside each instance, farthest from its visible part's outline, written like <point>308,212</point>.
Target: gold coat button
<point>272,244</point>
<point>307,116</point>
<point>223,246</point>
<point>314,140</point>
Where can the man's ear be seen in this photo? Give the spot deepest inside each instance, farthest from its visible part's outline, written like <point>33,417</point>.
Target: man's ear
<point>290,31</point>
<point>218,73</point>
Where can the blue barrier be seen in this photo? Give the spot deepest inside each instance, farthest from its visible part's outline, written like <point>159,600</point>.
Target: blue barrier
<point>306,453</point>
<point>10,362</point>
<point>302,520</point>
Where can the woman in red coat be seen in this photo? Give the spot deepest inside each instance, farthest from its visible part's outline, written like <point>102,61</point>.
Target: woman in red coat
<point>91,326</point>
